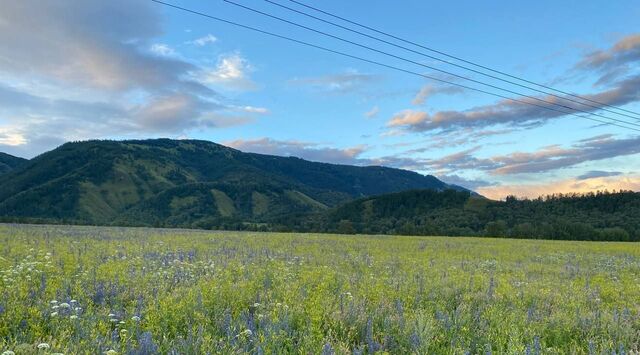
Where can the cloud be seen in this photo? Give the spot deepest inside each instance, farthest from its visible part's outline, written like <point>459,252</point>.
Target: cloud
<point>628,183</point>
<point>232,71</point>
<point>300,149</point>
<point>252,109</point>
<point>509,113</point>
<point>373,112</point>
<point>598,174</point>
<point>545,159</point>
<point>430,90</point>
<point>471,184</point>
<point>163,49</point>
<point>614,61</point>
<point>67,74</point>
<point>348,82</point>
<point>203,41</point>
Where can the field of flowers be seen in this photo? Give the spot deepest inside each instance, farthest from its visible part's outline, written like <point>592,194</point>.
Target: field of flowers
<point>86,290</point>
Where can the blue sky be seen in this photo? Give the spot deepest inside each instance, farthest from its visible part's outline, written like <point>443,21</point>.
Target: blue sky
<point>78,70</point>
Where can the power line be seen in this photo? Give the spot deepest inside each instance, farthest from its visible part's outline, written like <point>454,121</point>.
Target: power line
<point>461,60</point>
<point>446,61</point>
<point>379,63</point>
<point>421,64</point>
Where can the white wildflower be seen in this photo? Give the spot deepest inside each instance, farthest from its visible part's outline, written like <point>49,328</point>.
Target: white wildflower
<point>43,346</point>
<point>65,305</point>
<point>111,352</point>
<point>8,352</point>
<point>135,318</point>
<point>54,314</point>
<point>73,317</point>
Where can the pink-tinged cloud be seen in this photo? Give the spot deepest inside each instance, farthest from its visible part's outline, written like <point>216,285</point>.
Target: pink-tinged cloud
<point>562,186</point>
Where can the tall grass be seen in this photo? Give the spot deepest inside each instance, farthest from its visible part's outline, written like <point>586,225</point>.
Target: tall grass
<point>143,291</point>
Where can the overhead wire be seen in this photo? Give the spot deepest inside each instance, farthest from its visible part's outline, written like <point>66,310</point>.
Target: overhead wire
<point>374,62</point>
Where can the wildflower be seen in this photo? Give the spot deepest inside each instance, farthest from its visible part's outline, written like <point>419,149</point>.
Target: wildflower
<point>43,346</point>
<point>8,352</point>
<point>78,309</point>
<point>73,317</point>
<point>135,318</point>
<point>65,305</point>
<point>54,314</point>
<point>55,307</point>
<point>111,352</point>
<point>53,302</point>
<point>113,320</point>
<point>111,315</point>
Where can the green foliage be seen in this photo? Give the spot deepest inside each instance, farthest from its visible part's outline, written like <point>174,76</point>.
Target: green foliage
<point>90,290</point>
<point>600,216</point>
<point>109,182</point>
<point>9,163</point>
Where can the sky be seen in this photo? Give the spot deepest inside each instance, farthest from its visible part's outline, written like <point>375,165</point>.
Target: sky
<point>124,69</point>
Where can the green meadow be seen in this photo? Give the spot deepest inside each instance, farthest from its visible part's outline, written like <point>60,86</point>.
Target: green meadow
<point>90,290</point>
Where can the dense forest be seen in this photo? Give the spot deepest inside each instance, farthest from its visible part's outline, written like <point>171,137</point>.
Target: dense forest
<point>592,216</point>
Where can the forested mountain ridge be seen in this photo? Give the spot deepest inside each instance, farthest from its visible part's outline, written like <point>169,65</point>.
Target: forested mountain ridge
<point>185,183</point>
<point>592,216</point>
<point>200,184</point>
<point>8,163</point>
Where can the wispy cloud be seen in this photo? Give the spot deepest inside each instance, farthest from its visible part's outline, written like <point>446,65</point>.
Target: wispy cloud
<point>341,83</point>
<point>508,113</point>
<point>204,40</point>
<point>613,62</point>
<point>305,150</point>
<point>375,110</point>
<point>163,49</point>
<point>545,159</point>
<point>431,90</point>
<point>626,183</point>
<point>593,174</point>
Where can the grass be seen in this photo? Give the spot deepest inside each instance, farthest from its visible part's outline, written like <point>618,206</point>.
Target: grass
<point>85,290</point>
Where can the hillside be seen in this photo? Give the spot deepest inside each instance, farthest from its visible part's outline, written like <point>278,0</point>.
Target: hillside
<point>600,216</point>
<point>8,163</point>
<point>185,183</point>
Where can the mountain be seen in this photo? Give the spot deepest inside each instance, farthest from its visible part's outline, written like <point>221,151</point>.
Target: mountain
<point>593,216</point>
<point>8,163</point>
<point>186,183</point>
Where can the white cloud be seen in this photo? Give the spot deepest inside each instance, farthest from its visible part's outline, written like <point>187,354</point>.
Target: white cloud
<point>163,50</point>
<point>203,41</point>
<point>231,72</point>
<point>10,137</point>
<point>66,74</point>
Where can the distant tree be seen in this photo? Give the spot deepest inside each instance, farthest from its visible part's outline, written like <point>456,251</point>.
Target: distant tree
<point>346,227</point>
<point>496,229</point>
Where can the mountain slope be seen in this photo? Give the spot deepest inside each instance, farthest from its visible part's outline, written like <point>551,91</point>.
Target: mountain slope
<point>8,163</point>
<point>159,181</point>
